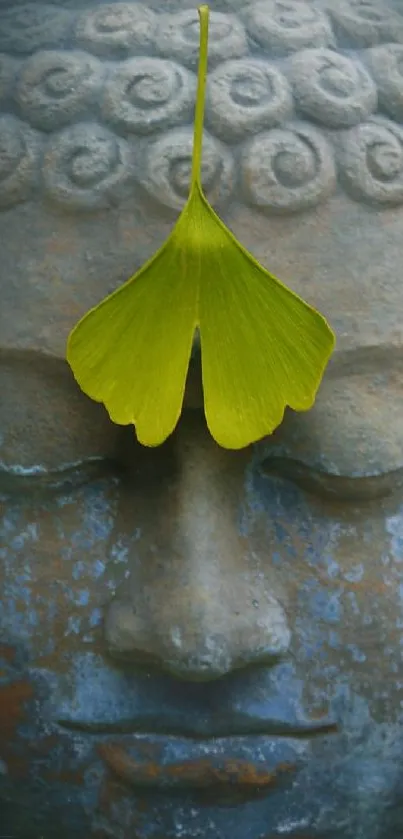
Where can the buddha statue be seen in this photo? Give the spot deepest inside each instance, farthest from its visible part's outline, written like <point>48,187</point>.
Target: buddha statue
<point>194,641</point>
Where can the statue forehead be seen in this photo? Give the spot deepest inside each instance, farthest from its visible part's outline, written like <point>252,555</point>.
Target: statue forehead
<point>303,153</point>
<point>342,260</point>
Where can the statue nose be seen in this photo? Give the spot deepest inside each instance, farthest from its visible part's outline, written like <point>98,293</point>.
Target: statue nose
<point>199,633</point>
<point>199,601</point>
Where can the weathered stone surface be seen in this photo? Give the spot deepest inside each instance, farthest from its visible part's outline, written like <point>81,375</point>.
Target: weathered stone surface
<point>8,72</point>
<point>285,28</point>
<point>288,169</point>
<point>246,96</point>
<point>165,169</point>
<point>178,37</point>
<point>386,65</point>
<point>196,642</point>
<point>56,88</point>
<point>331,88</point>
<point>148,94</point>
<point>86,167</point>
<point>49,393</point>
<point>364,24</point>
<point>19,159</point>
<point>269,65</point>
<point>371,157</point>
<point>33,26</point>
<point>116,30</point>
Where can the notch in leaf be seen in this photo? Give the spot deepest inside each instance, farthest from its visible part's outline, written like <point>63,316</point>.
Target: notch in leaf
<point>262,347</point>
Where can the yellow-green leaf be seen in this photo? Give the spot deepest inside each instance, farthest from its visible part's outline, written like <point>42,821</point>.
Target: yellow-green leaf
<point>262,347</point>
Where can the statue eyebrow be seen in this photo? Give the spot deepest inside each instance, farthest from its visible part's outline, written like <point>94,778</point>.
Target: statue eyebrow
<point>28,356</point>
<point>373,358</point>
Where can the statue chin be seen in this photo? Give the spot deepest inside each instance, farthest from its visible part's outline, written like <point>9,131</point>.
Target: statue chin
<point>197,642</point>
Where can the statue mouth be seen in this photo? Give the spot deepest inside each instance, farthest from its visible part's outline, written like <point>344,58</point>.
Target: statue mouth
<point>234,739</point>
<point>249,727</point>
<point>243,764</point>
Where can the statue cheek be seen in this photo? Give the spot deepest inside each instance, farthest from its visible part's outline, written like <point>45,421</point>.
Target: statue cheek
<point>340,564</point>
<point>56,572</point>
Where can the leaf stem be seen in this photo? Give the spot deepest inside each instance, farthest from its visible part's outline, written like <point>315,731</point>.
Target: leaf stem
<point>200,96</point>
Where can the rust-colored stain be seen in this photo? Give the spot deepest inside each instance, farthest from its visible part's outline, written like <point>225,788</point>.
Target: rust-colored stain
<point>367,587</point>
<point>7,653</point>
<point>45,745</point>
<point>109,791</point>
<point>197,774</point>
<point>12,711</point>
<point>320,714</point>
<point>73,777</point>
<point>17,765</point>
<point>376,587</point>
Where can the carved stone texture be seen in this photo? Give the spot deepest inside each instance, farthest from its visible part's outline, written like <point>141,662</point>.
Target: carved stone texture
<point>245,96</point>
<point>19,153</point>
<point>67,4</point>
<point>24,29</point>
<point>56,87</point>
<point>344,434</point>
<point>288,169</point>
<point>386,65</point>
<point>8,70</point>
<point>86,167</point>
<point>116,30</point>
<point>371,161</point>
<point>146,94</point>
<point>285,26</point>
<point>177,37</point>
<point>332,88</point>
<point>229,5</point>
<point>41,402</point>
<point>364,23</point>
<point>165,173</point>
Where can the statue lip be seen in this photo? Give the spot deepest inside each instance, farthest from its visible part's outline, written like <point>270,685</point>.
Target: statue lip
<point>217,772</point>
<point>251,759</point>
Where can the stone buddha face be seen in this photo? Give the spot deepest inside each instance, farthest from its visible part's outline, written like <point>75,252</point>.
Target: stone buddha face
<point>198,642</point>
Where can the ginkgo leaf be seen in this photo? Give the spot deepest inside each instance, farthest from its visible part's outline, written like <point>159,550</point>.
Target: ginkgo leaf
<point>262,347</point>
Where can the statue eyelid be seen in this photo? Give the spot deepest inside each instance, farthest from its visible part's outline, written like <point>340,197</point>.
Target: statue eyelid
<point>332,487</point>
<point>50,434</point>
<point>19,483</point>
<point>349,446</point>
